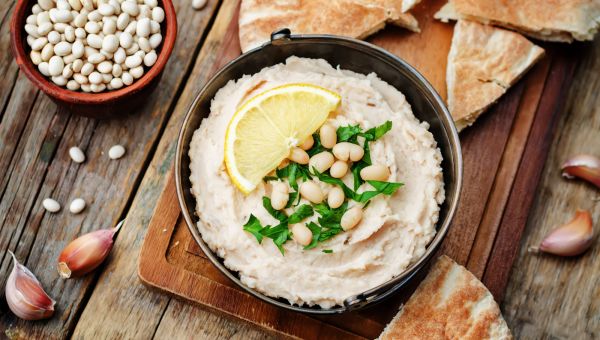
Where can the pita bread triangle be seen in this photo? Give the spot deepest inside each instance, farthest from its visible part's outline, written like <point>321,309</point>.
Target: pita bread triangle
<point>483,63</point>
<point>451,303</point>
<point>557,20</point>
<point>352,18</point>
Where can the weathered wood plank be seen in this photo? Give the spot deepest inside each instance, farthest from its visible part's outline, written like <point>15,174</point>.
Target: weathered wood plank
<point>41,168</point>
<point>8,68</point>
<point>547,296</point>
<point>128,308</point>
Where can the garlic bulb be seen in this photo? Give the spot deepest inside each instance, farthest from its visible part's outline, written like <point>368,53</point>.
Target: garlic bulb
<point>570,239</point>
<point>583,166</point>
<point>25,295</point>
<point>86,252</point>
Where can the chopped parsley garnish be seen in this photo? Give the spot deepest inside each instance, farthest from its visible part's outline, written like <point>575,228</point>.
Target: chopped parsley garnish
<point>327,224</point>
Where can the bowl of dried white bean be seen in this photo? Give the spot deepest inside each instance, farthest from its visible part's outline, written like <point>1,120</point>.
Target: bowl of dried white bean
<point>97,58</point>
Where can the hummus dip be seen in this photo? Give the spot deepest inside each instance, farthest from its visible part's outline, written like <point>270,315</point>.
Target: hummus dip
<point>394,231</point>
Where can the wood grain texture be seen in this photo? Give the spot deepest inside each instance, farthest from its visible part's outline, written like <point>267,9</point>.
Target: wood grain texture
<point>550,297</point>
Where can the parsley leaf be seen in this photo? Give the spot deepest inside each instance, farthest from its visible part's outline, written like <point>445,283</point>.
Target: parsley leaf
<point>269,178</point>
<point>316,232</point>
<point>348,133</point>
<point>386,188</point>
<point>279,215</point>
<point>304,211</point>
<point>377,132</point>
<point>327,251</point>
<point>292,196</point>
<point>317,146</point>
<point>279,234</point>
<point>293,172</point>
<point>254,227</point>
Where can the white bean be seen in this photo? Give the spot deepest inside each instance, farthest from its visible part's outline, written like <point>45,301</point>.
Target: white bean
<point>42,18</point>
<point>348,151</point>
<point>77,65</point>
<point>75,4</point>
<point>279,195</point>
<point>95,78</point>
<point>133,61</point>
<point>106,78</point>
<point>47,52</point>
<point>308,142</point>
<point>311,192</point>
<point>32,30</point>
<point>36,9</point>
<point>70,34</point>
<point>59,80</point>
<point>96,58</point>
<point>154,27</point>
<point>80,78</point>
<point>116,151</point>
<point>126,77</point>
<point>39,43</point>
<point>151,3</point>
<point>46,5</point>
<point>116,83</point>
<point>130,7</point>
<point>119,56</point>
<point>105,67</point>
<point>45,28</point>
<point>137,72</point>
<point>77,205</point>
<point>134,48</point>
<point>143,28</point>
<point>44,67</point>
<point>32,20</point>
<point>299,156</point>
<point>80,33</point>
<point>301,234</point>
<point>51,205</point>
<point>109,27</point>
<point>117,70</point>
<point>86,88</point>
<point>321,161</point>
<point>77,154</point>
<point>92,27</point>
<point>106,9</point>
<point>62,49</point>
<point>73,85</point>
<point>97,87</point>
<point>87,69</point>
<point>94,16</point>
<point>53,37</point>
<point>36,57</point>
<point>69,59</point>
<point>88,4</point>
<point>60,27</point>
<point>198,4</point>
<point>122,21</point>
<point>131,28</point>
<point>328,136</point>
<point>376,172</point>
<point>351,218</point>
<point>144,45</point>
<point>150,59</point>
<point>338,169</point>
<point>55,66</point>
<point>335,197</point>
<point>67,71</point>
<point>156,39</point>
<point>78,49</point>
<point>60,15</point>
<point>158,14</point>
<point>110,43</point>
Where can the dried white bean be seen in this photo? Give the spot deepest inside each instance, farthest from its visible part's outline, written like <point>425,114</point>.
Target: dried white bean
<point>77,205</point>
<point>86,88</point>
<point>45,28</point>
<point>117,70</point>
<point>88,4</point>
<point>62,49</point>
<point>301,234</point>
<point>32,20</point>
<point>78,49</point>
<point>87,69</point>
<point>123,21</point>
<point>44,68</point>
<point>116,83</point>
<point>55,66</point>
<point>328,136</point>
<point>106,9</point>
<point>32,30</point>
<point>96,58</point>
<point>94,16</point>
<point>144,45</point>
<point>110,43</point>
<point>75,4</point>
<point>351,218</point>
<point>63,4</point>
<point>69,59</point>
<point>307,144</point>
<point>77,154</point>
<point>60,27</point>
<point>47,52</point>
<point>39,43</point>
<point>80,33</point>
<point>109,27</point>
<point>133,61</point>
<point>36,57</point>
<point>59,80</point>
<point>198,4</point>
<point>46,4</point>
<point>97,87</point>
<point>116,151</point>
<point>348,151</point>
<point>95,78</point>
<point>73,85</point>
<point>131,28</point>
<point>54,37</point>
<point>60,15</point>
<point>80,20</point>
<point>154,27</point>
<point>150,59</point>
<point>119,56</point>
<point>338,169</point>
<point>137,72</point>
<point>41,18</point>
<point>77,65</point>
<point>335,197</point>
<point>126,77</point>
<point>80,78</point>
<point>143,28</point>
<point>94,41</point>
<point>106,78</point>
<point>158,14</point>
<point>36,9</point>
<point>92,27</point>
<point>125,40</point>
<point>70,34</point>
<point>67,72</point>
<point>311,192</point>
<point>156,39</point>
<point>130,7</point>
<point>151,3</point>
<point>51,205</point>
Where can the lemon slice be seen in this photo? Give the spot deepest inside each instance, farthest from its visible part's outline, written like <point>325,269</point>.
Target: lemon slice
<point>262,132</point>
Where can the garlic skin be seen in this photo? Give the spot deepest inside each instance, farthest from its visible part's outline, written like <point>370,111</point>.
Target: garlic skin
<point>570,239</point>
<point>25,296</point>
<point>583,166</point>
<point>86,252</point>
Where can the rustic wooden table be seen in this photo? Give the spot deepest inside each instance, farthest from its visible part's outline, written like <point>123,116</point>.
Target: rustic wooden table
<point>547,297</point>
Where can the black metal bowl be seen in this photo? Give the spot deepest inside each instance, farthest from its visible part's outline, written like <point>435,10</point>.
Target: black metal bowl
<point>360,57</point>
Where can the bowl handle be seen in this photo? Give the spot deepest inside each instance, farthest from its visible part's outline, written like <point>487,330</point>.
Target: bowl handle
<point>280,36</point>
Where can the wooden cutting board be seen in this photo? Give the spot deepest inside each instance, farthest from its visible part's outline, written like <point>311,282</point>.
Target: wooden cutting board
<point>504,153</point>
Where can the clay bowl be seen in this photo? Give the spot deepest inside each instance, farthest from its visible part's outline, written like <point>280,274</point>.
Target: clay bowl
<point>96,105</point>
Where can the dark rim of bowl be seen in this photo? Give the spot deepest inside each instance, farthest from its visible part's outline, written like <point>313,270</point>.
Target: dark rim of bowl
<point>375,294</point>
<point>17,28</point>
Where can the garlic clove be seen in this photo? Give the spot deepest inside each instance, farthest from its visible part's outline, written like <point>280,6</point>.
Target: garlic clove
<point>25,296</point>
<point>583,166</point>
<point>570,239</point>
<point>86,252</point>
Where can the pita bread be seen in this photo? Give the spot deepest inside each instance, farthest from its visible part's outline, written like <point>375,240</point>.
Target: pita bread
<point>407,5</point>
<point>483,63</point>
<point>352,18</point>
<point>451,303</point>
<point>558,20</point>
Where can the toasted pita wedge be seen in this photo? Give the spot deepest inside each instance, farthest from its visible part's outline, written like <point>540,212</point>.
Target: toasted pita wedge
<point>558,20</point>
<point>407,5</point>
<point>483,63</point>
<point>451,303</point>
<point>352,18</point>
